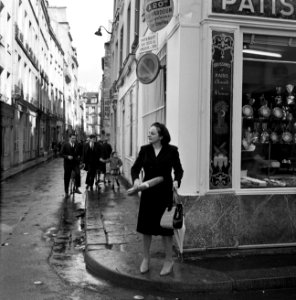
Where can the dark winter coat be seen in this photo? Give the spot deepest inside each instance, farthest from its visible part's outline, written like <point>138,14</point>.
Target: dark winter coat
<point>75,151</point>
<point>156,199</point>
<point>91,156</point>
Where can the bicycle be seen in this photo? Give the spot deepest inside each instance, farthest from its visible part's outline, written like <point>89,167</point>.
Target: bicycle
<point>72,185</point>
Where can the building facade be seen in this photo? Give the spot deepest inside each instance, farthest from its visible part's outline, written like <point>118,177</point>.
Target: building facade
<point>33,67</point>
<point>106,117</point>
<point>92,108</point>
<point>226,91</point>
<point>61,26</point>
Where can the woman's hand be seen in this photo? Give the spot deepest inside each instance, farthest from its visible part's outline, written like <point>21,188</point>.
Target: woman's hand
<point>136,184</point>
<point>135,187</point>
<point>175,185</point>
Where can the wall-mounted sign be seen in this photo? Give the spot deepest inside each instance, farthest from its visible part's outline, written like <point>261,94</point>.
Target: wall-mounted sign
<point>221,110</point>
<point>284,9</point>
<point>148,43</point>
<point>158,13</point>
<point>148,68</point>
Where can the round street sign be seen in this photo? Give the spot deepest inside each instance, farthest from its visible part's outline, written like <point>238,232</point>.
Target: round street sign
<point>148,68</point>
<point>158,13</point>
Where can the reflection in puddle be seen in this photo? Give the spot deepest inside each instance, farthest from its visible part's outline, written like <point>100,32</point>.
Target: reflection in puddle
<point>67,256</point>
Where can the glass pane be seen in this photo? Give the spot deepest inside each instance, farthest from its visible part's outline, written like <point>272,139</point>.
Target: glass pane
<point>268,153</point>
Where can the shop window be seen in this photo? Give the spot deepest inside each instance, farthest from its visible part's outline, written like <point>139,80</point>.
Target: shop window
<point>268,155</point>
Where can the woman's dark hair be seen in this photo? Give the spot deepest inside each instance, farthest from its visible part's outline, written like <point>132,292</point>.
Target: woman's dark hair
<point>163,132</point>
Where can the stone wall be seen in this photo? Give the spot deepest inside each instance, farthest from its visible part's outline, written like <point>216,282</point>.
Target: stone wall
<point>228,220</point>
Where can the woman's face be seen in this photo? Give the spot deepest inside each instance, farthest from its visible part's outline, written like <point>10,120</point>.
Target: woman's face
<point>153,135</point>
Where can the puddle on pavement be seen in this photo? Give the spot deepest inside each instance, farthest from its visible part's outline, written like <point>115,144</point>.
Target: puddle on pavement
<point>67,256</point>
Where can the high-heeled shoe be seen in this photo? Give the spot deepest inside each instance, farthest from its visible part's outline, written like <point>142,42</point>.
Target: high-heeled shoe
<point>167,268</point>
<point>144,268</point>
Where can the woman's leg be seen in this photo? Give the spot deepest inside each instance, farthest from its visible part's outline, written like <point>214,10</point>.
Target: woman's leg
<point>168,247</point>
<point>146,245</point>
<point>168,262</point>
<point>146,253</point>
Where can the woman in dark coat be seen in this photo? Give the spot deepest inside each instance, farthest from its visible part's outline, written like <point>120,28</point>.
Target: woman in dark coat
<point>158,158</point>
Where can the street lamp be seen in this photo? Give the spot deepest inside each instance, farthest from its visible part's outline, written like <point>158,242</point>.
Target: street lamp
<point>99,32</point>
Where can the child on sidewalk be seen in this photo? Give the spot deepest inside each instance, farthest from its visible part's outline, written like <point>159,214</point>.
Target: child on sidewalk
<point>115,164</point>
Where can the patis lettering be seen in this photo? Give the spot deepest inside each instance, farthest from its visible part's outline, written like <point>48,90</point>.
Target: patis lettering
<point>265,8</point>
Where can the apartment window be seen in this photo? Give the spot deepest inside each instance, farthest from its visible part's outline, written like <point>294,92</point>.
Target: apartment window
<point>121,47</point>
<point>154,98</point>
<point>128,30</point>
<point>116,59</point>
<point>137,23</point>
<point>131,125</point>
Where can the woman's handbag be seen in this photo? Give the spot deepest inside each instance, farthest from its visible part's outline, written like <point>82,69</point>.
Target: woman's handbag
<point>178,216</point>
<point>173,218</point>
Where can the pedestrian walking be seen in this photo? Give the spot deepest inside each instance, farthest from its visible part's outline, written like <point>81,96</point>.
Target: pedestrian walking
<point>115,164</point>
<point>54,147</point>
<point>91,155</point>
<point>158,158</point>
<point>60,143</point>
<point>106,150</point>
<point>72,157</point>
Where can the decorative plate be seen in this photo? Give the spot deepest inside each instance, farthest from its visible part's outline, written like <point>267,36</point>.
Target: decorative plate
<point>274,137</point>
<point>248,111</point>
<point>277,112</point>
<point>264,111</point>
<point>290,100</point>
<point>287,137</point>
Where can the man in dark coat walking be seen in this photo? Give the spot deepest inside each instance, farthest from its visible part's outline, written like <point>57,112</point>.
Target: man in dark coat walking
<point>91,156</point>
<point>71,153</point>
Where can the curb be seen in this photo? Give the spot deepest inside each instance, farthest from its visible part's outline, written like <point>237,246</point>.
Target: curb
<point>122,268</point>
<point>123,274</point>
<point>23,167</point>
<point>112,263</point>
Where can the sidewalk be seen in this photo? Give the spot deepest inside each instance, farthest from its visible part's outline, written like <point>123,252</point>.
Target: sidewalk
<point>24,166</point>
<point>113,252</point>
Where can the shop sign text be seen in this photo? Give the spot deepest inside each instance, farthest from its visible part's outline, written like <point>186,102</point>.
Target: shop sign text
<point>158,13</point>
<point>148,43</point>
<point>284,9</point>
<point>221,110</point>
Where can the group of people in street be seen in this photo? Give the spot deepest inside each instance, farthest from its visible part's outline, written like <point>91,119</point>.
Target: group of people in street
<point>92,156</point>
<point>157,159</point>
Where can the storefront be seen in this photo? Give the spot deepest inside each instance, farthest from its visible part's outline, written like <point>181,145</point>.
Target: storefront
<point>240,82</point>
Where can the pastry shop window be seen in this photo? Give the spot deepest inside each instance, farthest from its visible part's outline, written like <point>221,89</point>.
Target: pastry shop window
<point>268,151</point>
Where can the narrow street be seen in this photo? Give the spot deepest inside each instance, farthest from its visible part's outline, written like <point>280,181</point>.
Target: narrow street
<point>42,245</point>
<point>35,225</point>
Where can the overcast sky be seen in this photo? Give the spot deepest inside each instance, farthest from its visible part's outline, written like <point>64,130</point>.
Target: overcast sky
<point>84,18</point>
